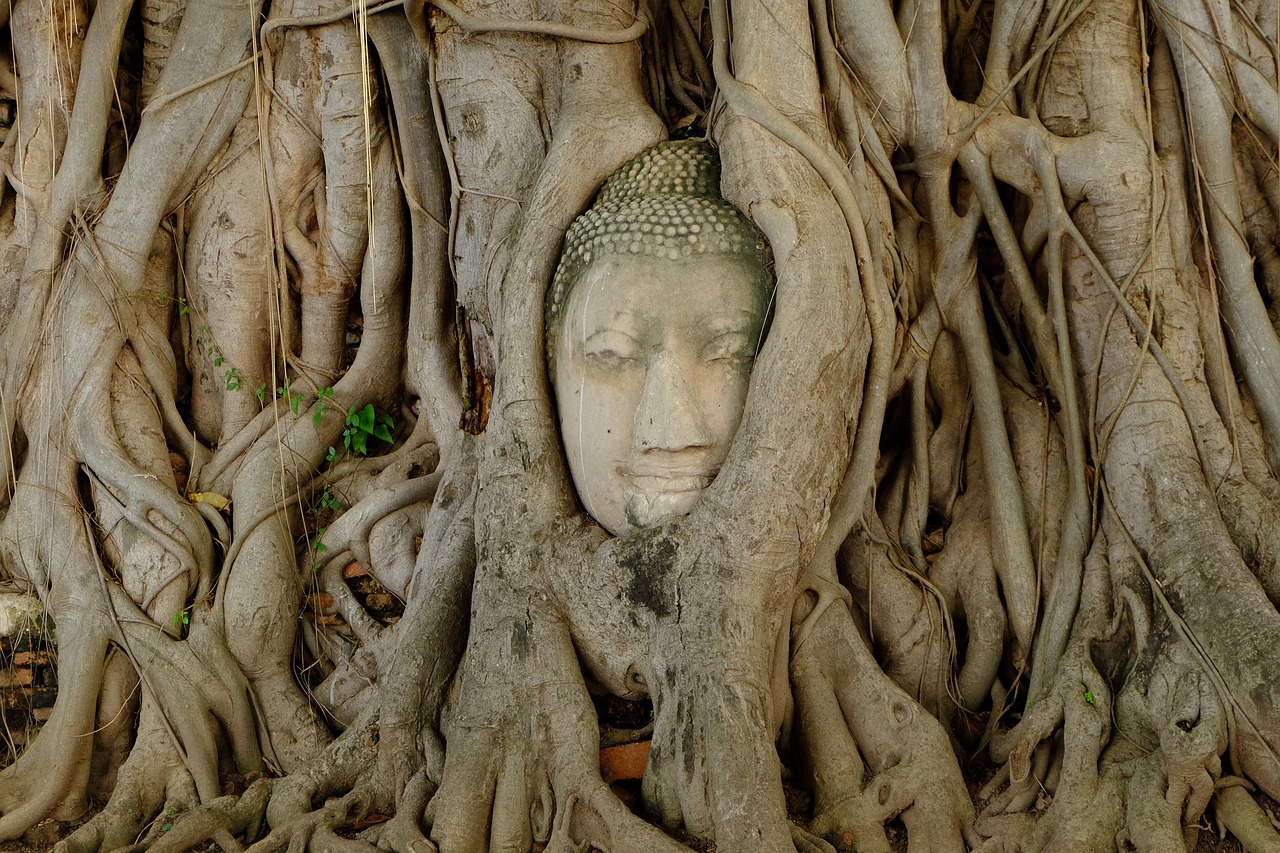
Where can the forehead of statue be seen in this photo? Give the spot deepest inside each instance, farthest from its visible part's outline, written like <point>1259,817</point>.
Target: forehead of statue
<point>636,289</point>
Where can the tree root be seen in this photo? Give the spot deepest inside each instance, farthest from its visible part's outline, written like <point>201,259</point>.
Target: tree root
<point>846,705</point>
<point>153,781</point>
<point>522,764</point>
<point>1237,810</point>
<point>51,776</point>
<point>403,833</point>
<point>1086,805</point>
<point>219,820</point>
<point>316,828</point>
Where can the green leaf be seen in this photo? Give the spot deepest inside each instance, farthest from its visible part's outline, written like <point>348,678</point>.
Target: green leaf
<point>1088,697</point>
<point>365,418</point>
<point>383,427</point>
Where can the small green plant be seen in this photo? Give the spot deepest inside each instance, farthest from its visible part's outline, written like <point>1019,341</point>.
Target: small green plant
<point>261,393</point>
<point>319,547</point>
<point>182,617</point>
<point>321,406</point>
<point>326,501</point>
<point>284,391</point>
<point>1088,697</point>
<point>233,378</point>
<point>183,308</point>
<point>362,423</point>
<point>169,816</point>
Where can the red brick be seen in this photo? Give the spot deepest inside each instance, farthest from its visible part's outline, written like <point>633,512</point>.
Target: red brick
<point>15,677</point>
<point>624,762</point>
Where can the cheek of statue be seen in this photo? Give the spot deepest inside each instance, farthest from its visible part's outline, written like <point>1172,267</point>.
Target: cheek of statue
<point>652,366</point>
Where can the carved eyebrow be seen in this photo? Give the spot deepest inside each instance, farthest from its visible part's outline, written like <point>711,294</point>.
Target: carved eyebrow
<point>720,320</point>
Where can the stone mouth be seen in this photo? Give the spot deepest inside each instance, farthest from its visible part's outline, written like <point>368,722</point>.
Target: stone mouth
<point>669,481</point>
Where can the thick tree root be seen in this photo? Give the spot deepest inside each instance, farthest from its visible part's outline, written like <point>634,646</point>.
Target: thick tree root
<point>1237,810</point>
<point>523,759</point>
<point>847,706</point>
<point>152,789</point>
<point>221,820</point>
<point>315,829</point>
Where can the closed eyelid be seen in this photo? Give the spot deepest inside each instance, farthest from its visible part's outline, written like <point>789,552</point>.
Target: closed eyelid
<point>738,343</point>
<point>607,340</point>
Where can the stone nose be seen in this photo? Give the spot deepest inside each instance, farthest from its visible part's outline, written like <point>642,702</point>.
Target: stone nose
<point>670,415</point>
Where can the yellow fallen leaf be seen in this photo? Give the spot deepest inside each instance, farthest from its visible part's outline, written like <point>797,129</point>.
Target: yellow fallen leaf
<point>213,499</point>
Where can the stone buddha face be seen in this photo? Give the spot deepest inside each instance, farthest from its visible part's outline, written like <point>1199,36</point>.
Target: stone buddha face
<point>651,365</point>
<point>653,321</point>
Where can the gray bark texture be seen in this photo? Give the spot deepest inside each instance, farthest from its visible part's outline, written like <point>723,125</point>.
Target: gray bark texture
<point>993,562</point>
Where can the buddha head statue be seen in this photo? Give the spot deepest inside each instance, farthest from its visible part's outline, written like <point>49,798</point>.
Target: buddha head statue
<point>653,320</point>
